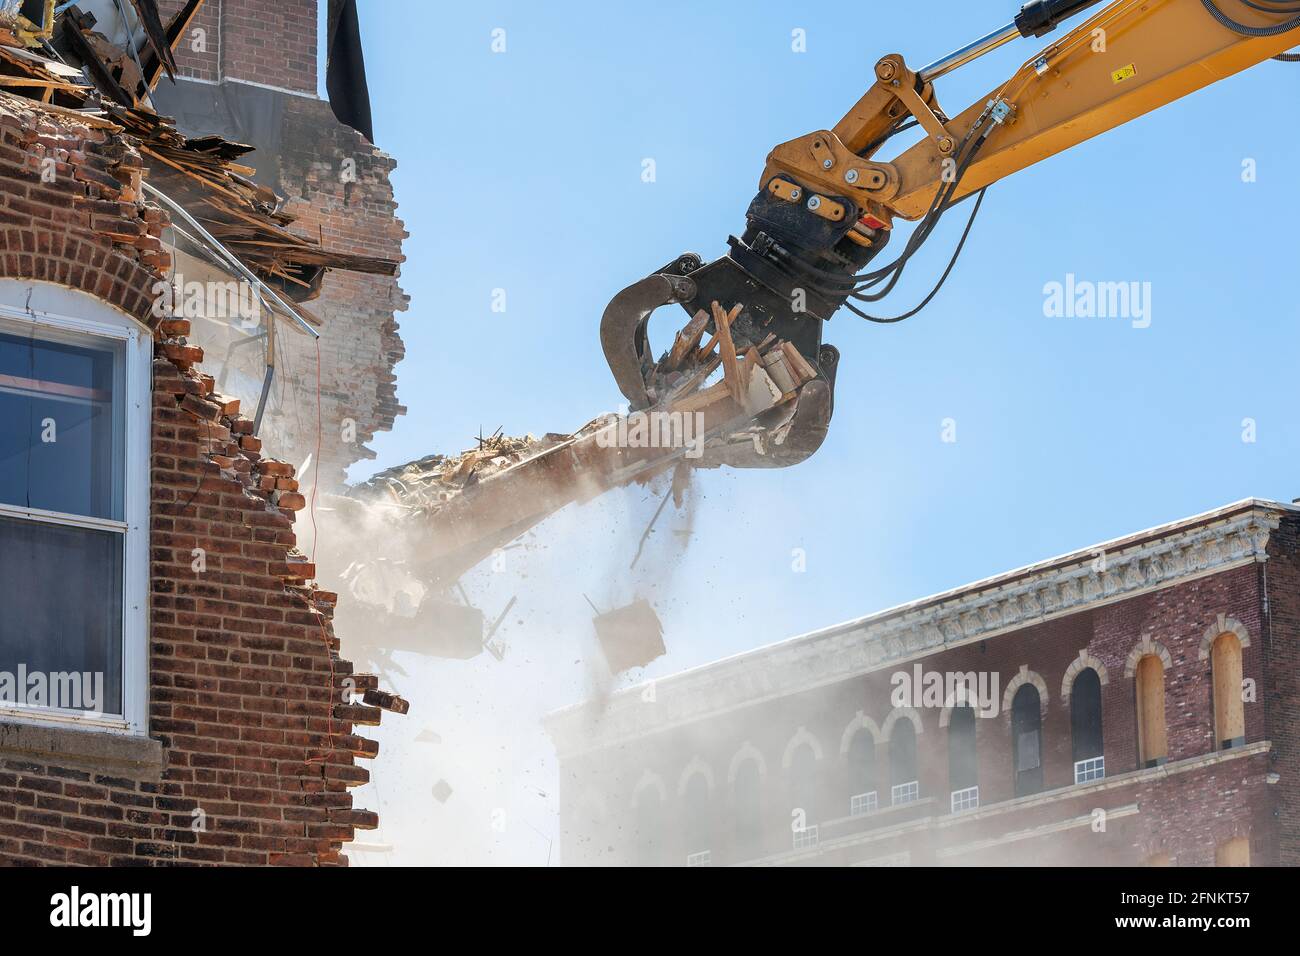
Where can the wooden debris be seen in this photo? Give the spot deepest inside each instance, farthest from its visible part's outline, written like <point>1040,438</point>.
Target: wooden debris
<point>202,173</point>
<point>687,341</point>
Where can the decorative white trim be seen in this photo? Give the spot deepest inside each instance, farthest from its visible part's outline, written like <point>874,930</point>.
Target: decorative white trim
<point>802,736</point>
<point>1077,667</point>
<point>860,722</point>
<point>747,751</point>
<point>898,712</point>
<point>1224,625</point>
<point>649,779</point>
<point>691,769</point>
<point>1211,543</point>
<point>1145,648</point>
<point>1023,677</point>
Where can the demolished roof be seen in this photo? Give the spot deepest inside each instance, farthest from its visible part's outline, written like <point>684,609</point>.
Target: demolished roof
<point>73,70</point>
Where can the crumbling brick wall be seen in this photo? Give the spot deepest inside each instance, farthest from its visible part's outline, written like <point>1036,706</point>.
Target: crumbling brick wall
<point>338,186</point>
<point>252,751</point>
<point>339,189</point>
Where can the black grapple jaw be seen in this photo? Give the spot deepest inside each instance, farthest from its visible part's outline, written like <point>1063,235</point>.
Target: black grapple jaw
<point>694,285</point>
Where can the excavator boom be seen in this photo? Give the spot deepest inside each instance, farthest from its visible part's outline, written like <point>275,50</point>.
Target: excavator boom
<point>827,204</point>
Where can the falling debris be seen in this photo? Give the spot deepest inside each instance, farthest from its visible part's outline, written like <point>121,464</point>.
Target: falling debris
<point>442,791</point>
<point>630,636</point>
<point>451,630</point>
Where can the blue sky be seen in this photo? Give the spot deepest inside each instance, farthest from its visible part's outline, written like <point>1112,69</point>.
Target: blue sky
<point>522,171</point>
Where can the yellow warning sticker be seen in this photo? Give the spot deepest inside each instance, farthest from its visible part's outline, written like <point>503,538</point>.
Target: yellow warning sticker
<point>1123,73</point>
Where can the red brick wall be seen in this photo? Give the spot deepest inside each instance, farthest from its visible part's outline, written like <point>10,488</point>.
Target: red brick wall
<point>338,187</point>
<point>264,41</point>
<point>1186,814</point>
<point>1281,684</point>
<point>245,682</point>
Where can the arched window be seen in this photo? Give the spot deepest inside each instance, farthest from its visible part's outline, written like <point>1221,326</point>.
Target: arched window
<point>904,784</point>
<point>1085,726</point>
<point>803,780</point>
<point>748,817</point>
<point>963,766</point>
<point>649,827</point>
<point>1229,714</point>
<point>803,794</point>
<point>1027,739</point>
<point>861,760</point>
<point>698,825</point>
<point>1152,747</point>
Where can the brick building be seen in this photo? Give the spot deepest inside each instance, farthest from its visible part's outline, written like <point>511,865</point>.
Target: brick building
<point>1133,702</point>
<point>248,70</point>
<point>171,688</point>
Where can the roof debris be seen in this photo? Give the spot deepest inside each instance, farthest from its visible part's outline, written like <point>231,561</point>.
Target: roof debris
<point>107,90</point>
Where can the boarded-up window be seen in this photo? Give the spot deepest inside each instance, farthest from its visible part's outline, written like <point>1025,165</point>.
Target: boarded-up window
<point>1229,714</point>
<point>1236,852</point>
<point>1152,747</point>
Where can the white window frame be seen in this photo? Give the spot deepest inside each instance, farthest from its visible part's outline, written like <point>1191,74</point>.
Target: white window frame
<point>1086,771</point>
<point>965,799</point>
<point>806,839</point>
<point>902,793</point>
<point>861,804</point>
<point>45,307</point>
<point>700,858</point>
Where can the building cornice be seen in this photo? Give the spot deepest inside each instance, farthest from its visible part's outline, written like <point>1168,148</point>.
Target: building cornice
<point>1108,572</point>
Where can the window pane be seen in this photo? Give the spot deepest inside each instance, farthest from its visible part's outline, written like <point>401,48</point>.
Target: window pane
<point>59,431</point>
<point>61,607</point>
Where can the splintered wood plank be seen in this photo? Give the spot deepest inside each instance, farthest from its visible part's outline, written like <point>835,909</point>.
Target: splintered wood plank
<point>731,371</point>
<point>688,339</point>
<point>799,365</point>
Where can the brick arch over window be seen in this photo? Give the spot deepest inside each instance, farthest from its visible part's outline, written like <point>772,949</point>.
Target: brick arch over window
<point>1077,667</point>
<point>46,255</point>
<point>859,722</point>
<point>899,713</point>
<point>1144,648</point>
<point>802,736</point>
<point>1224,625</point>
<point>696,765</point>
<point>1025,676</point>
<point>959,698</point>
<point>649,779</point>
<point>746,752</point>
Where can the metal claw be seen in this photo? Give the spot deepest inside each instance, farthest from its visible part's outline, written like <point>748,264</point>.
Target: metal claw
<point>623,331</point>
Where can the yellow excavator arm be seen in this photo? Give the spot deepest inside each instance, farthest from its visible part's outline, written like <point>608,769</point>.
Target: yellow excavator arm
<point>827,204</point>
<point>1131,57</point>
